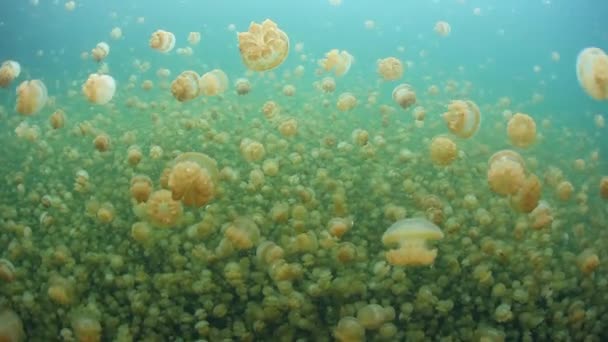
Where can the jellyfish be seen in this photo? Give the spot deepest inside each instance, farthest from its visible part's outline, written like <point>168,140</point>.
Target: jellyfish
<point>587,261</point>
<point>411,236</point>
<point>604,187</point>
<point>288,127</point>
<point>141,188</point>
<point>252,150</point>
<point>116,33</point>
<point>443,150</point>
<point>349,329</point>
<point>338,226</point>
<point>528,195</point>
<point>162,41</point>
<point>9,71</point>
<point>11,327</point>
<point>100,51</point>
<point>70,6</point>
<point>193,179</point>
<point>102,142</point>
<point>506,172</point>
<point>194,38</point>
<point>390,68</point>
<point>541,217</point>
<point>337,61</point>
<point>289,90</point>
<point>264,46</point>
<point>186,86</point>
<point>162,210</point>
<point>242,233</point>
<point>61,290</point>
<point>521,130</point>
<point>346,102</point>
<point>7,270</point>
<point>592,72</point>
<point>242,86</point>
<point>268,252</point>
<point>57,119</point>
<point>31,97</point>
<point>463,118</point>
<point>328,85</point>
<point>99,89</point>
<point>372,316</point>
<point>86,325</point>
<point>443,28</point>
<point>404,95</point>
<point>213,83</point>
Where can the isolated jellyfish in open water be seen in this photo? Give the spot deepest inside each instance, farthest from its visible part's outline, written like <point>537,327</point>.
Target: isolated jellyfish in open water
<point>9,71</point>
<point>592,72</point>
<point>162,41</point>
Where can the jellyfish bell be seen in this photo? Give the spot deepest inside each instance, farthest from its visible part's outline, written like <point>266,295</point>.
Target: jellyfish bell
<point>604,187</point>
<point>404,95</point>
<point>242,233</point>
<point>592,72</point>
<point>521,130</point>
<point>9,71</point>
<point>32,96</point>
<point>506,172</point>
<point>100,51</point>
<point>99,89</point>
<point>193,179</point>
<point>346,102</point>
<point>213,83</point>
<point>162,41</point>
<point>411,236</point>
<point>264,46</point>
<point>194,38</point>
<point>11,327</point>
<point>443,28</point>
<point>443,150</point>
<point>337,61</point>
<point>463,118</point>
<point>186,86</point>
<point>390,68</point>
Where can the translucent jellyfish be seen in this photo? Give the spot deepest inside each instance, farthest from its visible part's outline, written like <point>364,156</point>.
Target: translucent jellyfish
<point>102,142</point>
<point>335,3</point>
<point>288,127</point>
<point>592,72</point>
<point>369,24</point>
<point>186,86</point>
<point>194,38</point>
<point>162,210</point>
<point>99,89</point>
<point>360,136</point>
<point>57,119</point>
<point>264,46</point>
<point>528,195</point>
<point>141,188</point>
<point>252,150</point>
<point>9,71</point>
<point>337,61</point>
<point>11,327</point>
<point>442,28</point>
<point>346,102</point>
<point>70,6</point>
<point>604,187</point>
<point>349,329</point>
<point>411,236</point>
<point>31,97</point>
<point>506,172</point>
<point>162,41</point>
<point>390,68</point>
<point>100,51</point>
<point>289,90</point>
<point>328,84</point>
<point>193,179</point>
<point>463,118</point>
<point>404,95</point>
<point>443,150</point>
<point>116,33</point>
<point>242,233</point>
<point>213,83</point>
<point>242,86</point>
<point>521,130</point>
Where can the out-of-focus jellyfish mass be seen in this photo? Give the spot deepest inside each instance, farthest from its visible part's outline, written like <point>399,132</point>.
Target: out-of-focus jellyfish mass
<point>181,171</point>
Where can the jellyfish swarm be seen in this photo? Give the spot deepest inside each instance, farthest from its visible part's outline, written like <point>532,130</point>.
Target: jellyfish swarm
<point>411,236</point>
<point>521,130</point>
<point>337,61</point>
<point>186,86</point>
<point>213,83</point>
<point>8,72</point>
<point>31,97</point>
<point>506,172</point>
<point>162,41</point>
<point>264,46</point>
<point>193,179</point>
<point>463,118</point>
<point>390,68</point>
<point>592,72</point>
<point>404,95</point>
<point>99,89</point>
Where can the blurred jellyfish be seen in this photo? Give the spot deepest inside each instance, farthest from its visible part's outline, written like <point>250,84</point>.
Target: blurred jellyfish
<point>264,46</point>
<point>186,86</point>
<point>100,52</point>
<point>592,72</point>
<point>194,38</point>
<point>463,118</point>
<point>242,86</point>
<point>57,119</point>
<point>9,71</point>
<point>116,33</point>
<point>443,151</point>
<point>162,41</point>
<point>70,6</point>
<point>390,68</point>
<point>31,97</point>
<point>442,28</point>
<point>604,187</point>
<point>346,102</point>
<point>404,95</point>
<point>337,61</point>
<point>11,327</point>
<point>411,236</point>
<point>521,130</point>
<point>328,85</point>
<point>213,83</point>
<point>99,89</point>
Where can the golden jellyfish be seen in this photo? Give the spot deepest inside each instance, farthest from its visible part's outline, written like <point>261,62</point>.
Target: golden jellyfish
<point>162,210</point>
<point>252,150</point>
<point>349,329</point>
<point>289,90</point>
<point>264,46</point>
<point>213,83</point>
<point>521,130</point>
<point>141,188</point>
<point>116,33</point>
<point>443,150</point>
<point>337,61</point>
<point>9,71</point>
<point>288,127</point>
<point>162,41</point>
<point>564,190</point>
<point>587,261</point>
<point>411,235</point>
<point>443,28</point>
<point>360,137</point>
<point>61,290</point>
<point>338,226</point>
<point>542,216</point>
<point>242,86</point>
<point>57,119</point>
<point>242,233</point>
<point>102,142</point>
<point>390,68</point>
<point>527,197</point>
<point>11,327</point>
<point>99,89</point>
<point>346,102</point>
<point>100,51</point>
<point>194,38</point>
<point>193,179</point>
<point>7,271</point>
<point>86,326</point>
<point>506,172</point>
<point>604,187</point>
<point>186,86</point>
<point>328,85</point>
<point>134,155</point>
<point>463,118</point>
<point>268,253</point>
<point>404,95</point>
<point>592,72</point>
<point>31,97</point>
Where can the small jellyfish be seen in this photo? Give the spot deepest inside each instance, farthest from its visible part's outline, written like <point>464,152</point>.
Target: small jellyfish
<point>604,187</point>
<point>443,28</point>
<point>242,86</point>
<point>349,329</point>
<point>99,89</point>
<point>443,150</point>
<point>186,86</point>
<point>587,261</point>
<point>162,210</point>
<point>70,6</point>
<point>346,102</point>
<point>411,236</point>
<point>592,72</point>
<point>404,95</point>
<point>141,188</point>
<point>102,142</point>
<point>289,90</point>
<point>9,71</point>
<point>242,233</point>
<point>7,271</point>
<point>31,97</point>
<point>162,41</point>
<point>328,85</point>
<point>506,172</point>
<point>194,38</point>
<point>463,118</point>
<point>252,150</point>
<point>390,68</point>
<point>288,127</point>
<point>100,51</point>
<point>86,325</point>
<point>337,61</point>
<point>213,83</point>
<point>264,46</point>
<point>57,119</point>
<point>193,179</point>
<point>521,130</point>
<point>116,33</point>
